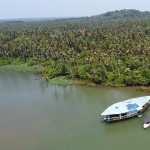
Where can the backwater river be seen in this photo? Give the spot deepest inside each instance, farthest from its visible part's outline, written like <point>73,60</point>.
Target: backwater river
<point>35,115</point>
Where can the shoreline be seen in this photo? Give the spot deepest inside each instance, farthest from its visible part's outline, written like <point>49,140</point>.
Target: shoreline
<point>21,68</point>
<point>62,80</point>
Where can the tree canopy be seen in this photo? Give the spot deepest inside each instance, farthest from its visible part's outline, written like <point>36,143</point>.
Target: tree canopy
<point>112,48</point>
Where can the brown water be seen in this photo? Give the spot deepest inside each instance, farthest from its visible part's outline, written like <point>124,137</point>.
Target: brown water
<point>37,116</point>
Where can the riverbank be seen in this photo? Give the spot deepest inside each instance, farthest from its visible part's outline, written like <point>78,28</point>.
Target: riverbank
<point>19,65</point>
<point>61,80</point>
<point>26,67</point>
<point>65,81</point>
<point>22,67</point>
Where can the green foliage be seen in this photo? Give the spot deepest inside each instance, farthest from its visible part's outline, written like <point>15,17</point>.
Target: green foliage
<point>112,49</point>
<point>4,61</point>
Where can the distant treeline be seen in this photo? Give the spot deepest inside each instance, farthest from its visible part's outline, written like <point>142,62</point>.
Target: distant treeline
<point>99,49</point>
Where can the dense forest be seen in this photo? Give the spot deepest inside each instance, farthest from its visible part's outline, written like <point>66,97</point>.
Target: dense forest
<point>111,49</point>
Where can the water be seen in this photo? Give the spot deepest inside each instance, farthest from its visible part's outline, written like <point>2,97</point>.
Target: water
<point>38,116</point>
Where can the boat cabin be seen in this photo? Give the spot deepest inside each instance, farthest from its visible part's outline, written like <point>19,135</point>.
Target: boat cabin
<point>126,109</point>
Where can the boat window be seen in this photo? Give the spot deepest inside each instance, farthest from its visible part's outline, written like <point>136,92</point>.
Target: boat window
<point>115,115</point>
<point>124,114</point>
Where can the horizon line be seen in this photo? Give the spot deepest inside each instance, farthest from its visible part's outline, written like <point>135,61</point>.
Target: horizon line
<point>63,17</point>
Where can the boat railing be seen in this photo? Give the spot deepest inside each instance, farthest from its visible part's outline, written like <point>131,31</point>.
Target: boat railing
<point>119,117</point>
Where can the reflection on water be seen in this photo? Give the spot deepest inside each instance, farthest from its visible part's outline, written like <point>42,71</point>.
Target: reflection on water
<point>37,116</point>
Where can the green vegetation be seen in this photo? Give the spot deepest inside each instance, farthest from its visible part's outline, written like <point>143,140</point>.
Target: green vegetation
<point>110,49</point>
<point>18,65</point>
<point>65,81</point>
<point>22,68</point>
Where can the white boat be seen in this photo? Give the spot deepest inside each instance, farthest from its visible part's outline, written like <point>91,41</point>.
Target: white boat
<point>146,123</point>
<point>126,109</point>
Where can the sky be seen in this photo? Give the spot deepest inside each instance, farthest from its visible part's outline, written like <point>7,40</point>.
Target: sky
<point>10,9</point>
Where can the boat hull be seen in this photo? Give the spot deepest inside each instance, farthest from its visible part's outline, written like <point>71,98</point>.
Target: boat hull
<point>145,126</point>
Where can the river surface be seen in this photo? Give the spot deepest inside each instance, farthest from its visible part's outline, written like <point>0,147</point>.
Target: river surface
<point>37,116</point>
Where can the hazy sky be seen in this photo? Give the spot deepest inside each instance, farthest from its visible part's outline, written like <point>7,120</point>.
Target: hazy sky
<point>65,8</point>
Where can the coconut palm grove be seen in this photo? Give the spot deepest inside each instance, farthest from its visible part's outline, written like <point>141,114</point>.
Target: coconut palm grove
<point>109,49</point>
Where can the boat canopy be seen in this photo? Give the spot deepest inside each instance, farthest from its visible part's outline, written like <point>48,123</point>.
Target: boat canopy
<point>127,106</point>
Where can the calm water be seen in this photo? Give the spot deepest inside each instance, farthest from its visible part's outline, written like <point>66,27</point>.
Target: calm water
<point>38,116</point>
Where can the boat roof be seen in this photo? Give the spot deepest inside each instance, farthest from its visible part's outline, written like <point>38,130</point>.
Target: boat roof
<point>130,105</point>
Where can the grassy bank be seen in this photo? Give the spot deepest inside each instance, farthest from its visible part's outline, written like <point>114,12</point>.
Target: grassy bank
<point>65,81</point>
<point>18,65</point>
<point>61,80</point>
<point>22,68</point>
